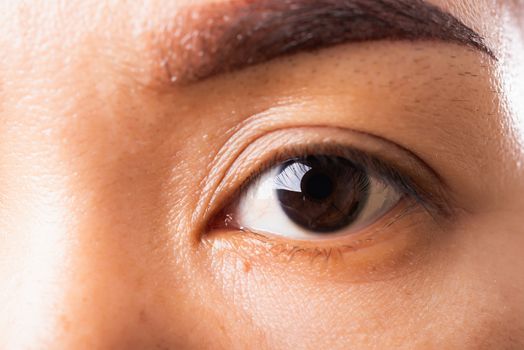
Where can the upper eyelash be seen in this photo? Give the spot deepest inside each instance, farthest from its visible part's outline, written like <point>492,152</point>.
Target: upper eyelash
<point>431,201</point>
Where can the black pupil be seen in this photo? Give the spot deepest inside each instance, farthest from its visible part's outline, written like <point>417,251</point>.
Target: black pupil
<point>322,194</point>
<point>317,186</point>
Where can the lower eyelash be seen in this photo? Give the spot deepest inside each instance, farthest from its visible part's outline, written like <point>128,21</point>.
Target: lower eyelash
<point>292,250</point>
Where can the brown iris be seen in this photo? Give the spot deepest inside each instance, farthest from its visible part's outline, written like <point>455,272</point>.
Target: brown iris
<point>322,193</point>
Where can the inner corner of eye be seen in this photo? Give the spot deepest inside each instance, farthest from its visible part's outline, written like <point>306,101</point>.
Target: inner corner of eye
<point>223,219</point>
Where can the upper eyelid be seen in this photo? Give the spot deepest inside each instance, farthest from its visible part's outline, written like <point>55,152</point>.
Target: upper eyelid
<point>374,165</point>
<point>214,184</point>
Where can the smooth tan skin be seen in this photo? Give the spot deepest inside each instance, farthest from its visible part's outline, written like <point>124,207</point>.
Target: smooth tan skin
<point>105,178</point>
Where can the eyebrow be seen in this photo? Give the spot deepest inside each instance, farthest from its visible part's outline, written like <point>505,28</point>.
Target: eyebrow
<point>210,39</point>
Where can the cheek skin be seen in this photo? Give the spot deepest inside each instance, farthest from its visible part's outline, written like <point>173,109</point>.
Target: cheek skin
<point>452,300</point>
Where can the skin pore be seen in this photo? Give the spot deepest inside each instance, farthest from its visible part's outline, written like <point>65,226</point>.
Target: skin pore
<point>113,175</point>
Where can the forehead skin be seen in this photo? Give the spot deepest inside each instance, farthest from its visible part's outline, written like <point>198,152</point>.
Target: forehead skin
<point>100,163</point>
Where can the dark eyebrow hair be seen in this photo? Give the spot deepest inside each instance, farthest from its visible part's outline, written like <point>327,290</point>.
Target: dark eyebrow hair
<point>210,39</point>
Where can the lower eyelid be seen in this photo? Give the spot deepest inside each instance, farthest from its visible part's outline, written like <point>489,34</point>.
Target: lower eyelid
<point>352,241</point>
<point>401,251</point>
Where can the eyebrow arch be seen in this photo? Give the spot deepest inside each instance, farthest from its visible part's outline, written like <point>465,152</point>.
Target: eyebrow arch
<point>210,39</point>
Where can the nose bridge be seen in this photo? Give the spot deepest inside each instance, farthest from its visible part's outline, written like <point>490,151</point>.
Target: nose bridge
<point>85,252</point>
<point>32,269</point>
<point>36,268</point>
<point>69,276</point>
<point>84,249</point>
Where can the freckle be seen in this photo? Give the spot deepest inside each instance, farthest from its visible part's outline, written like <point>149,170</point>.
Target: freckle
<point>247,267</point>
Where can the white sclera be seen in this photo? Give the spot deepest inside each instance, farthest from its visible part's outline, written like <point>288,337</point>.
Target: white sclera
<point>259,209</point>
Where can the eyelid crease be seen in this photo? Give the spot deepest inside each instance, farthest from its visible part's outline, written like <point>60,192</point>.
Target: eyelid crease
<point>213,201</point>
<point>239,141</point>
<point>432,202</point>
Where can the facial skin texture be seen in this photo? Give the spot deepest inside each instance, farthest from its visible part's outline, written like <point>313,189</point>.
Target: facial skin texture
<point>109,180</point>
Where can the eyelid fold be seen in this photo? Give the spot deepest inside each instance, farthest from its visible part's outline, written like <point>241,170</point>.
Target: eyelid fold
<point>400,167</point>
<point>398,244</point>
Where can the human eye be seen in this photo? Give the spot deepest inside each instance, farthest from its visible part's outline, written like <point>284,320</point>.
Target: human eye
<point>315,196</point>
<point>296,195</point>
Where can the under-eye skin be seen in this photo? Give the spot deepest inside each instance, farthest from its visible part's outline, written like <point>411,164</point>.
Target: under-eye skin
<point>359,183</point>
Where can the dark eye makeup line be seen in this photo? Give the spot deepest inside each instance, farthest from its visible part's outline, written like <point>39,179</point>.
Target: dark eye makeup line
<point>210,39</point>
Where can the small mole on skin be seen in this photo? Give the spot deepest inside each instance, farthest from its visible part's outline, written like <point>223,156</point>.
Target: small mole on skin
<point>247,267</point>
